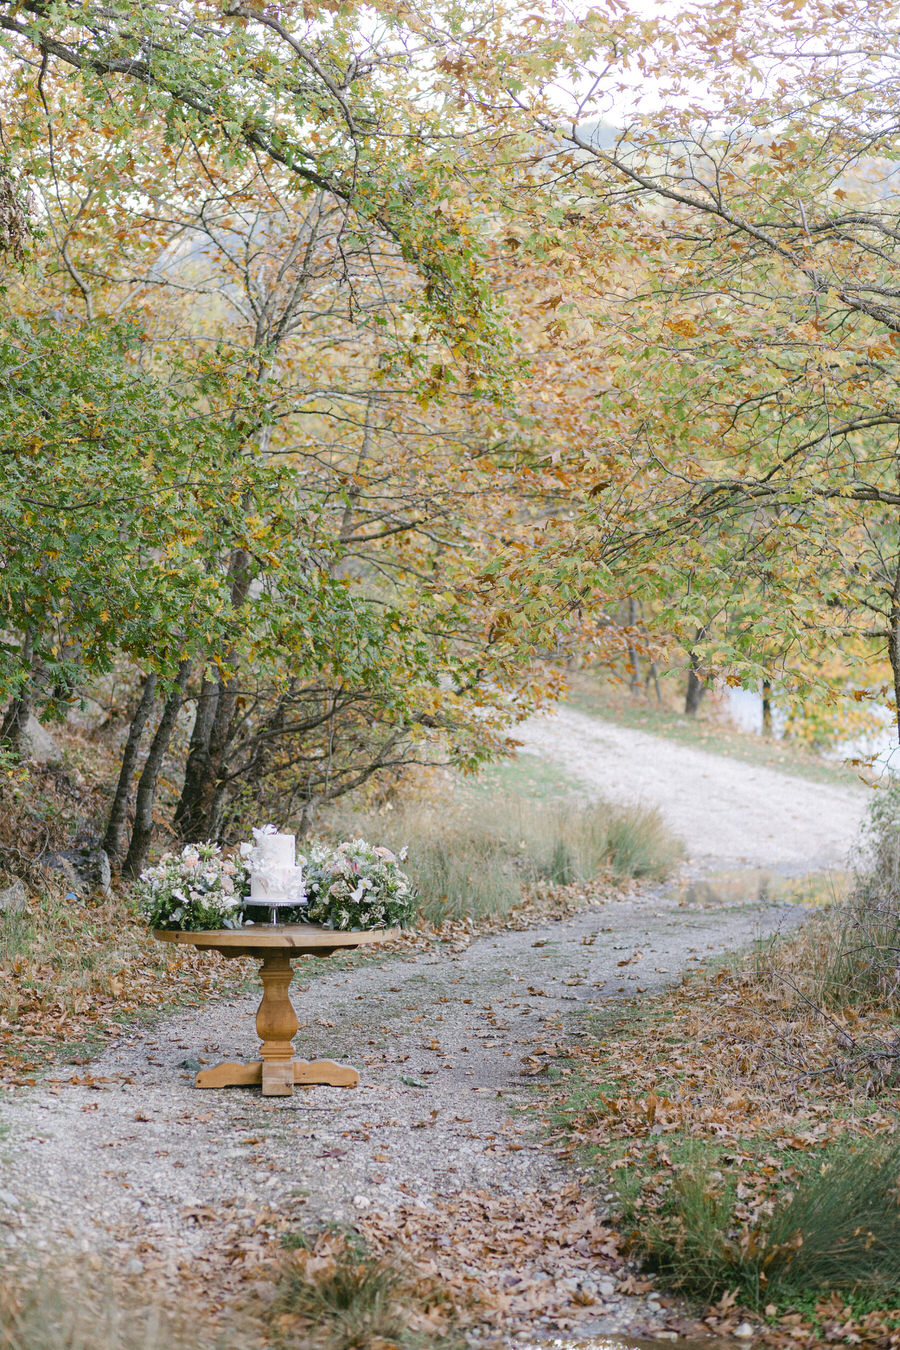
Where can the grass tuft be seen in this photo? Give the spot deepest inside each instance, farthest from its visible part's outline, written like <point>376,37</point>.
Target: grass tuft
<point>836,1228</point>
<point>354,1303</point>
<point>334,1295</point>
<point>640,845</point>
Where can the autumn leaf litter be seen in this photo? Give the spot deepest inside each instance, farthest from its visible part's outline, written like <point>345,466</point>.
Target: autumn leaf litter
<point>123,1159</point>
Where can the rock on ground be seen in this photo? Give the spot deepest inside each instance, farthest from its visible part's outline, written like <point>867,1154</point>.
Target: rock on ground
<point>40,744</point>
<point>84,869</point>
<point>13,898</point>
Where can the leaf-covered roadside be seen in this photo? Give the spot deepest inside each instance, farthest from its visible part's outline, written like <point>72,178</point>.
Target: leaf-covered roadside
<point>729,1102</point>
<point>74,971</point>
<point>505,1260</point>
<point>466,1269</point>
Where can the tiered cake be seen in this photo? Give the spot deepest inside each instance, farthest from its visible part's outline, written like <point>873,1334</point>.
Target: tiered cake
<point>275,878</point>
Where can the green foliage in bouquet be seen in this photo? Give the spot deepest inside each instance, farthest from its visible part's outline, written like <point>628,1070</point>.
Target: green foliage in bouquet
<point>358,885</point>
<point>195,890</point>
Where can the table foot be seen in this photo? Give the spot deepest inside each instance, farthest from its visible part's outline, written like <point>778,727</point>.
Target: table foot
<point>278,1078</point>
<point>230,1075</point>
<point>325,1071</point>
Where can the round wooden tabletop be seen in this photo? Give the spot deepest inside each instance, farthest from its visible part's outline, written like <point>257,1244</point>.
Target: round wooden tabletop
<point>298,937</point>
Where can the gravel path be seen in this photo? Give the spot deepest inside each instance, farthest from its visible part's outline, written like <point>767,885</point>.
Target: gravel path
<point>728,812</point>
<point>126,1160</point>
<point>134,1162</point>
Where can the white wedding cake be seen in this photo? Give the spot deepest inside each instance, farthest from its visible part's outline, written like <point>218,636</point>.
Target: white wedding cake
<point>276,878</point>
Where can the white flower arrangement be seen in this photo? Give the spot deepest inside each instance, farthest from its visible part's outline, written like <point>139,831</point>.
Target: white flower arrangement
<point>352,887</point>
<point>358,885</point>
<point>195,890</point>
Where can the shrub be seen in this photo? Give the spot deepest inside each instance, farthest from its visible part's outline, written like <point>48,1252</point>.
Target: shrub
<point>867,959</point>
<point>850,956</point>
<point>333,1293</point>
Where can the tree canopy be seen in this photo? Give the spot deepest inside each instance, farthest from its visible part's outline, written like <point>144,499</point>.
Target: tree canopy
<point>358,362</point>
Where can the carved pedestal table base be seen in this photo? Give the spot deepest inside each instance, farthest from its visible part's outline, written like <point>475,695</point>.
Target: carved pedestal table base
<point>276,1070</point>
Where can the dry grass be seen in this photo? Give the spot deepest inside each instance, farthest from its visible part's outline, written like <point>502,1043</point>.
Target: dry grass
<point>88,1314</point>
<point>505,1260</point>
<point>480,858</point>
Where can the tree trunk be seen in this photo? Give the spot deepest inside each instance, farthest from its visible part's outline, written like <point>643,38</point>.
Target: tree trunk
<point>142,830</point>
<point>894,639</point>
<point>189,811</point>
<point>217,808</point>
<point>693,693</point>
<point>696,685</point>
<point>653,674</point>
<point>196,811</point>
<point>767,708</point>
<point>12,730</point>
<point>634,664</point>
<point>307,817</point>
<point>201,797</point>
<point>112,840</point>
<point>219,745</point>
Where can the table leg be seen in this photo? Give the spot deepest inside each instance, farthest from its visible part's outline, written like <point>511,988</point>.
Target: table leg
<point>277,1024</point>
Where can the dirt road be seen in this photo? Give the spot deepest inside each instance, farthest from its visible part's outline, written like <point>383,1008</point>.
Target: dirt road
<point>728,812</point>
<point>125,1162</point>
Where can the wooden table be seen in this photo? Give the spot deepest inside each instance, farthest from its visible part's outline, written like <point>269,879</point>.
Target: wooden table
<point>277,946</point>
